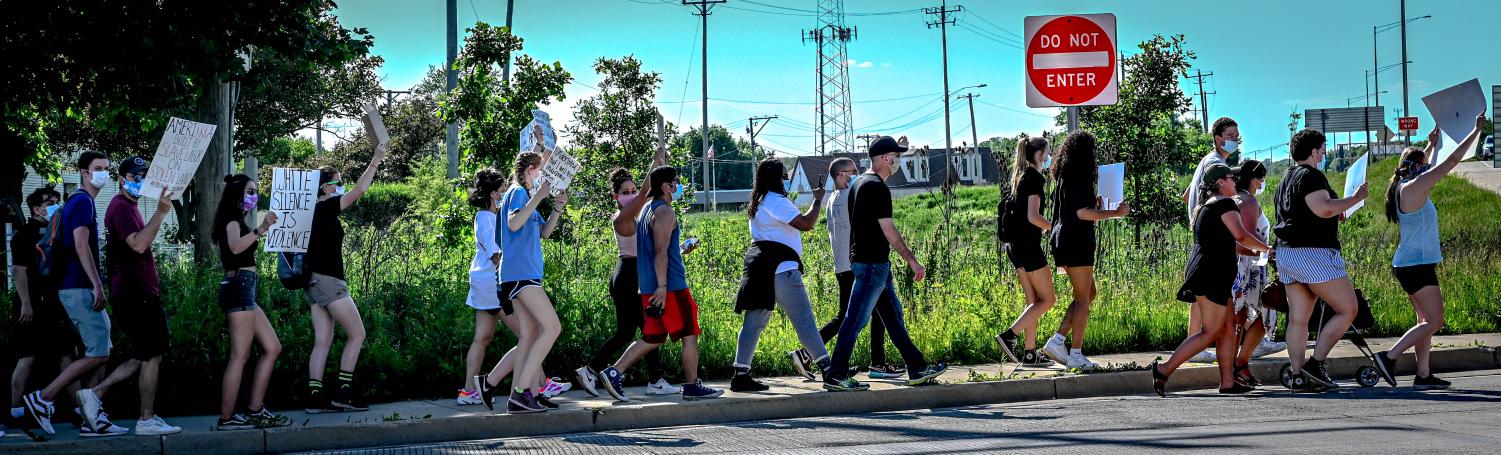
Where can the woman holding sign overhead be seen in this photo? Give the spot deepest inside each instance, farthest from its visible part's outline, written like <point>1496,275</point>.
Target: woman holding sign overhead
<point>1075,211</point>
<point>328,291</point>
<point>522,231</point>
<point>247,323</point>
<point>1416,261</point>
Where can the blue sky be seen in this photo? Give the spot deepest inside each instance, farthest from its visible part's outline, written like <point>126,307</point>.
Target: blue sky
<point>1268,57</point>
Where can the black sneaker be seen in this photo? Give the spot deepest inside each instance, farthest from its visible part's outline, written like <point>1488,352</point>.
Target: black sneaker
<point>234,422</point>
<point>848,384</point>
<point>523,403</point>
<point>1318,372</point>
<point>545,402</point>
<point>1007,340</point>
<point>926,376</point>
<point>803,361</point>
<point>40,411</point>
<point>1430,382</point>
<point>1387,367</point>
<point>1033,358</point>
<point>265,419</point>
<point>745,383</point>
<point>346,400</point>
<point>886,371</point>
<point>318,403</point>
<point>486,392</point>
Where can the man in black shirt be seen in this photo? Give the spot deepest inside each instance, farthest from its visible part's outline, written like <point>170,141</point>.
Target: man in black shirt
<point>41,328</point>
<point>872,236</point>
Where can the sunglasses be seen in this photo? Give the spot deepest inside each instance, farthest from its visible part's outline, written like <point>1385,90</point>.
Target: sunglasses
<point>334,183</point>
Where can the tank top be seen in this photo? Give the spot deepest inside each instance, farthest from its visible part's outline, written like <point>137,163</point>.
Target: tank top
<point>235,261</point>
<point>1418,236</point>
<point>627,245</point>
<point>646,252</point>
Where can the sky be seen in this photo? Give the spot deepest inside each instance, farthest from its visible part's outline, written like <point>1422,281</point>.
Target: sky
<point>1268,58</point>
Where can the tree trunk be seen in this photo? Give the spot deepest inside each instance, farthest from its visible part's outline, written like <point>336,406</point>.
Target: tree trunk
<point>213,108</point>
<point>12,172</point>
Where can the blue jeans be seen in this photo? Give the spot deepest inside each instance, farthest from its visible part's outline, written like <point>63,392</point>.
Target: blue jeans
<point>872,281</point>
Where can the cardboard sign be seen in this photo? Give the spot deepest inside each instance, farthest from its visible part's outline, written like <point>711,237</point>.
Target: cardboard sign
<point>177,158</point>
<point>375,126</point>
<point>294,192</point>
<point>559,170</point>
<point>1354,177</point>
<point>1454,110</point>
<point>1111,186</point>
<point>540,127</point>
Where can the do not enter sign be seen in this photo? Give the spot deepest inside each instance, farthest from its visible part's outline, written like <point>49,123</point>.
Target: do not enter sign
<point>1071,60</point>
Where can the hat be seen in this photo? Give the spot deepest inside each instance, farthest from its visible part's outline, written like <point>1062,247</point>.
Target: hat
<point>1217,171</point>
<point>885,145</point>
<point>133,165</point>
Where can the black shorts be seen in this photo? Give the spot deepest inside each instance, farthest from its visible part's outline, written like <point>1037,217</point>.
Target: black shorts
<point>143,320</point>
<point>511,290</point>
<point>50,333</point>
<point>1211,278</point>
<point>237,291</point>
<point>1026,256</point>
<point>1414,278</point>
<point>1074,251</point>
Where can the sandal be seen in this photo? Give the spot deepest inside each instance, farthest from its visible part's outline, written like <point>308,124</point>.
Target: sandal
<point>1159,381</point>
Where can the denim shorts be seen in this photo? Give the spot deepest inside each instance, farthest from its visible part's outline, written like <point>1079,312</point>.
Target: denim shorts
<point>92,326</point>
<point>237,291</point>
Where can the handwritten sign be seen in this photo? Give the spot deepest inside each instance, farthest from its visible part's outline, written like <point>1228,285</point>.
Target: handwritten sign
<point>541,125</point>
<point>294,192</point>
<point>375,126</point>
<point>559,170</point>
<point>177,157</point>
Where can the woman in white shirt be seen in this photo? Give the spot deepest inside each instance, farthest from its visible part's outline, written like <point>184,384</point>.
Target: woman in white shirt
<point>484,297</point>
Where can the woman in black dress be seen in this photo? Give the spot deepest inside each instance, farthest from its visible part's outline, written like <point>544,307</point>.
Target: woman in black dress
<point>1211,273</point>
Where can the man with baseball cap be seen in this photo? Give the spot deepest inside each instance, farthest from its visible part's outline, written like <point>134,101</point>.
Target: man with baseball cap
<point>873,234</point>
<point>135,295</point>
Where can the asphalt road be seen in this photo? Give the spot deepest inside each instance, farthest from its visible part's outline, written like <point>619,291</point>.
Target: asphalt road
<point>1464,419</point>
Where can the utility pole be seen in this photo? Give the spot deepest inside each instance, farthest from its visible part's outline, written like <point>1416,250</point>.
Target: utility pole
<point>703,13</point>
<point>943,22</point>
<point>752,131</point>
<point>868,138</point>
<point>1203,99</point>
<point>391,95</point>
<point>1376,72</point>
<point>1402,17</point>
<point>973,136</point>
<point>505,69</point>
<point>452,141</point>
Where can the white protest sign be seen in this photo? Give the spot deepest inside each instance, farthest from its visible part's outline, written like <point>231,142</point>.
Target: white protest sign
<point>177,157</point>
<point>1111,186</point>
<point>293,195</point>
<point>1454,110</point>
<point>559,170</point>
<point>541,123</point>
<point>375,126</point>
<point>1354,177</point>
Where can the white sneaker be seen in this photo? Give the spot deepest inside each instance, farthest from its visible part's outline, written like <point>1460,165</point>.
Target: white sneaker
<point>662,387</point>
<point>89,406</point>
<point>555,387</point>
<point>584,376</point>
<point>1081,362</point>
<point>101,427</point>
<point>1056,350</point>
<point>1205,356</point>
<point>469,397</point>
<point>155,426</point>
<point>1268,347</point>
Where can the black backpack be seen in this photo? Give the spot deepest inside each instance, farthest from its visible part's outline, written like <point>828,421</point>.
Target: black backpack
<point>1008,214</point>
<point>290,269</point>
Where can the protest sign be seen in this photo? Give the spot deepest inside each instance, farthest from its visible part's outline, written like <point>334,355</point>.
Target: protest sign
<point>559,170</point>
<point>177,158</point>
<point>294,192</point>
<point>541,125</point>
<point>374,126</point>
<point>1112,185</point>
<point>1454,110</point>
<point>1354,177</point>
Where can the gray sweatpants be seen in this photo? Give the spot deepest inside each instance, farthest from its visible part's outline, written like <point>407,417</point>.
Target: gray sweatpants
<point>792,297</point>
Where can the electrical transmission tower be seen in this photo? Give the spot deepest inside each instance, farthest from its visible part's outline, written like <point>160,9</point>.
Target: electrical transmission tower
<point>836,127</point>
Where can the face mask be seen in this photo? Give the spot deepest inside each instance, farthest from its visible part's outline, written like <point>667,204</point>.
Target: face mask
<point>1231,146</point>
<point>625,199</point>
<point>99,178</point>
<point>1261,189</point>
<point>678,193</point>
<point>339,191</point>
<point>1323,159</point>
<point>1047,161</point>
<point>1420,170</point>
<point>249,203</point>
<point>132,188</point>
<point>51,210</point>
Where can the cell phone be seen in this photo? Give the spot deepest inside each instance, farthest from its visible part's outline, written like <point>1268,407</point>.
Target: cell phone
<point>654,311</point>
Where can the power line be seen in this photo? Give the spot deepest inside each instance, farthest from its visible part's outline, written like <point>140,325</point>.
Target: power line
<point>982,34</point>
<point>1019,111</point>
<point>1018,38</point>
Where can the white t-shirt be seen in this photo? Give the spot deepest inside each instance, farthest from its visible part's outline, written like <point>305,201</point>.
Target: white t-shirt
<point>771,223</point>
<point>484,242</point>
<point>838,214</point>
<point>1193,186</point>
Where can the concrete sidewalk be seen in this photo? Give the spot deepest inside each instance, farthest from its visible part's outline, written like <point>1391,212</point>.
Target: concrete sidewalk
<point>423,421</point>
<point>1481,174</point>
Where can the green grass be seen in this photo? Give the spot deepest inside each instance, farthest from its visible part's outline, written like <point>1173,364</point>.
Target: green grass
<point>410,286</point>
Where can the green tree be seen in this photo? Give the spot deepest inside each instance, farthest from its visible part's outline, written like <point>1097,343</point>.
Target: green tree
<point>734,164</point>
<point>615,128</point>
<point>493,111</point>
<point>415,128</point>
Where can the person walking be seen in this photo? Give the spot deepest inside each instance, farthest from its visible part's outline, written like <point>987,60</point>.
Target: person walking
<point>248,324</point>
<point>1024,228</point>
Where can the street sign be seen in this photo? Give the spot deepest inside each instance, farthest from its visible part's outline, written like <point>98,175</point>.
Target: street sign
<point>1407,123</point>
<point>1071,60</point>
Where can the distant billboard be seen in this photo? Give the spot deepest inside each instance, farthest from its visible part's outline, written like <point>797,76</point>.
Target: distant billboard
<point>1344,119</point>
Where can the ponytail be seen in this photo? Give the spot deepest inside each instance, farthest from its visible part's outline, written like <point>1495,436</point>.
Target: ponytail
<point>1405,168</point>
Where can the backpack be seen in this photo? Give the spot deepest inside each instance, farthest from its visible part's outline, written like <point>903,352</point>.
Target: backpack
<point>1008,214</point>
<point>291,271</point>
<point>49,247</point>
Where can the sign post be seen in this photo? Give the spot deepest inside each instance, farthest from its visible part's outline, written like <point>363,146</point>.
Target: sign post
<point>1071,62</point>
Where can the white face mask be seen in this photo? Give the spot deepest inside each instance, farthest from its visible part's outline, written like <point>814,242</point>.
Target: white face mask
<point>1047,161</point>
<point>339,190</point>
<point>99,178</point>
<point>1231,146</point>
<point>1261,189</point>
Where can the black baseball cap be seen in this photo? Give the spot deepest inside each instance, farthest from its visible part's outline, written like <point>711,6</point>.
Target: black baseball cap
<point>885,145</point>
<point>133,165</point>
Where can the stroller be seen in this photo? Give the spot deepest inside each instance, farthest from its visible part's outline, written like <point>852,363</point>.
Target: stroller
<point>1366,376</point>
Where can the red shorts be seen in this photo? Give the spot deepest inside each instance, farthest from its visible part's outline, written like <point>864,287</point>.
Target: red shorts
<point>679,318</point>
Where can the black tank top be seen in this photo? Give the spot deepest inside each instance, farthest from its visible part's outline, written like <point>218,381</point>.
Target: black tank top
<point>243,259</point>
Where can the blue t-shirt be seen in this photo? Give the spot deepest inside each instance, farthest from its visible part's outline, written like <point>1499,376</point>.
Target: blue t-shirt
<point>646,254</point>
<point>77,212</point>
<point>521,249</point>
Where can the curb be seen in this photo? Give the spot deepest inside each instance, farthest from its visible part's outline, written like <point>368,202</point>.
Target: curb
<point>627,416</point>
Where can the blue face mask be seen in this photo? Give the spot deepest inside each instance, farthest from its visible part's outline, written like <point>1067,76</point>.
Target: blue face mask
<point>678,193</point>
<point>51,210</point>
<point>1415,172</point>
<point>132,188</point>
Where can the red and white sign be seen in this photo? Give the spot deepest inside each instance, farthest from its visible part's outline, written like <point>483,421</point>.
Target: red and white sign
<point>1071,60</point>
<point>1407,123</point>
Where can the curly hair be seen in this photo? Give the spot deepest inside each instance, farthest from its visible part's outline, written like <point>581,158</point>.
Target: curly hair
<point>1305,142</point>
<point>619,176</point>
<point>1076,158</point>
<point>768,179</point>
<point>1222,124</point>
<point>486,181</point>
